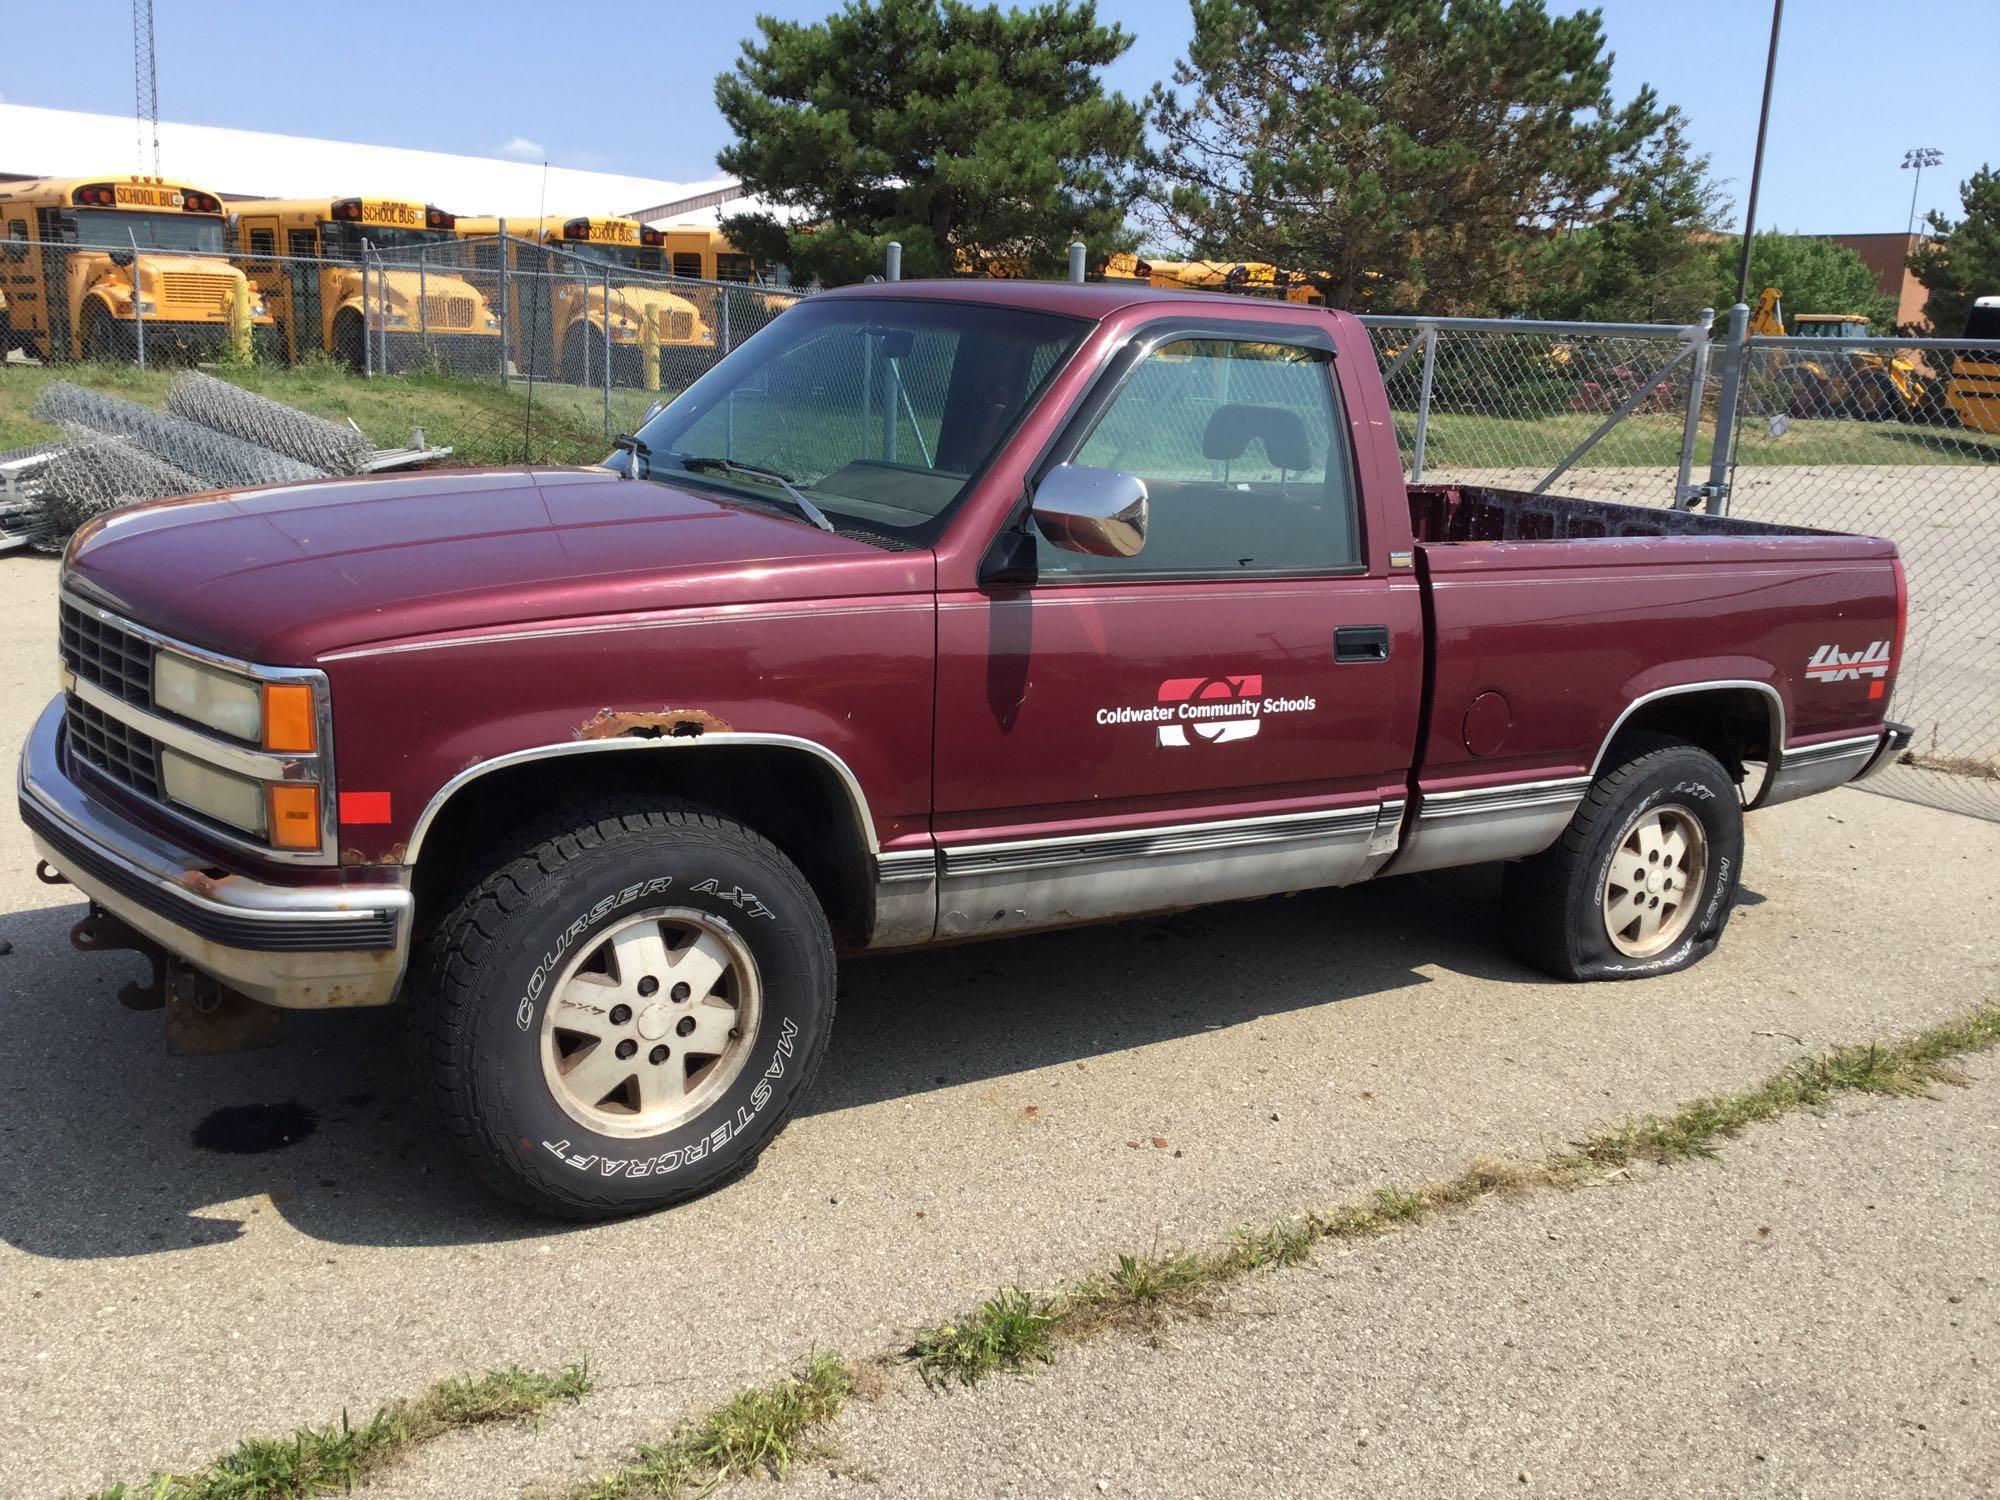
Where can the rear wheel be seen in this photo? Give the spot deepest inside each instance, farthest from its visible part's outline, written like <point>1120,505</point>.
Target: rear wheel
<point>625,1014</point>
<point>1642,880</point>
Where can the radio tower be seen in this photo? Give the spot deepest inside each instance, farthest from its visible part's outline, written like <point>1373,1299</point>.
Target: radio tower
<point>145,81</point>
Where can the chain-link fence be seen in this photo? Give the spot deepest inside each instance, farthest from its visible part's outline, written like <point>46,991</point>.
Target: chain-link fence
<point>505,349</point>
<point>1896,438</point>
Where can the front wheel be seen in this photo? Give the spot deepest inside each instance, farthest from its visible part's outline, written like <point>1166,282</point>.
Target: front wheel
<point>625,1015</point>
<point>1643,879</point>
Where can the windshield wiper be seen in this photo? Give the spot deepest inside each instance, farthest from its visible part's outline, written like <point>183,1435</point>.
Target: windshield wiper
<point>729,466</point>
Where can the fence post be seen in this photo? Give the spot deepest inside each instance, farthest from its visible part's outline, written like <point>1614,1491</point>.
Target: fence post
<point>895,261</point>
<point>1076,254</point>
<point>506,306</point>
<point>723,298</point>
<point>423,301</point>
<point>1720,462</point>
<point>607,351</point>
<point>367,338</point>
<point>1691,426</point>
<point>1424,406</point>
<point>138,304</point>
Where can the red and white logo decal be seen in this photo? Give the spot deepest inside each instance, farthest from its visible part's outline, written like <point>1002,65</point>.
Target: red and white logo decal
<point>1831,664</point>
<point>1213,710</point>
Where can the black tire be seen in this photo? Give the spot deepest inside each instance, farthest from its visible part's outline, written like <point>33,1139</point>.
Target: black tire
<point>348,334</point>
<point>1555,903</point>
<point>105,339</point>
<point>573,355</point>
<point>494,964</point>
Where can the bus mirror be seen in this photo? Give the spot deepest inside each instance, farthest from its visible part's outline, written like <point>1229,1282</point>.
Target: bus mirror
<point>121,257</point>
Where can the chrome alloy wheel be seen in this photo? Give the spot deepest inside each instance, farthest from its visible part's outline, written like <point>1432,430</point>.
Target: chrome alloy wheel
<point>652,1023</point>
<point>1654,880</point>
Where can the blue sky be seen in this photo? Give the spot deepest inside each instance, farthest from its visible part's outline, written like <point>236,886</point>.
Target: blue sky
<point>623,86</point>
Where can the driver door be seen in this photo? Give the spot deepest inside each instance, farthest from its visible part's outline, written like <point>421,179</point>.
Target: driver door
<point>1229,712</point>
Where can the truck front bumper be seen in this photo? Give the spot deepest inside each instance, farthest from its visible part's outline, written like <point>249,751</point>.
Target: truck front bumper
<point>303,947</point>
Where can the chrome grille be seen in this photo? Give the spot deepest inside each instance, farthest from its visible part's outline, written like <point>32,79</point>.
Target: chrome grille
<point>680,326</point>
<point>119,751</point>
<point>105,654</point>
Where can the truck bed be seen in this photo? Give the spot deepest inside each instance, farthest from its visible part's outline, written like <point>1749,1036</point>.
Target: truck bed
<point>1475,513</point>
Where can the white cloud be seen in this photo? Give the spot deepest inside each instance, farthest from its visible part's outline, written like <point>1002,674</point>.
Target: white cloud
<point>522,149</point>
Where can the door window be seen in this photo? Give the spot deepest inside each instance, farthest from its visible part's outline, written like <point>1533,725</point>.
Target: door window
<point>1242,449</point>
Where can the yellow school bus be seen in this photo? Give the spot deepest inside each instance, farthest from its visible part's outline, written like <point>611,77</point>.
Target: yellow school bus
<point>67,249</point>
<point>1973,396</point>
<point>704,254</point>
<point>560,322</point>
<point>307,257</point>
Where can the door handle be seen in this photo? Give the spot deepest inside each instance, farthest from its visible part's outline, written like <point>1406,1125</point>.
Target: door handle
<point>1361,643</point>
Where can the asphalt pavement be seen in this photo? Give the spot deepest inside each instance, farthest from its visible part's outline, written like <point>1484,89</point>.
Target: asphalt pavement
<point>985,1117</point>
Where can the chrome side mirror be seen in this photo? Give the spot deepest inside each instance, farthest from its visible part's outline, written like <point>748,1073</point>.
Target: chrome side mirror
<point>1099,512</point>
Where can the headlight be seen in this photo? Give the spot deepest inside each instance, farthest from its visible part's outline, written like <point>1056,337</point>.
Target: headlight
<point>146,306</point>
<point>222,795</point>
<point>399,320</point>
<point>258,309</point>
<point>209,696</point>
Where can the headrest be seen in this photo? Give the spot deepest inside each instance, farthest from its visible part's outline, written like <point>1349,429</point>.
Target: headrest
<point>1281,430</point>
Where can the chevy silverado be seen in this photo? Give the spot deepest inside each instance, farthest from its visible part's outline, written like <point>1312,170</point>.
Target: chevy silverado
<point>933,612</point>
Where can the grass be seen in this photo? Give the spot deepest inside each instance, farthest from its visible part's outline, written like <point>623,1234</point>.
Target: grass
<point>337,1457</point>
<point>1018,1329</point>
<point>762,1430</point>
<point>480,421</point>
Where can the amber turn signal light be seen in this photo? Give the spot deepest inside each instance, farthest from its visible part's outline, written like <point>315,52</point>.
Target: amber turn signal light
<point>294,815</point>
<point>289,720</point>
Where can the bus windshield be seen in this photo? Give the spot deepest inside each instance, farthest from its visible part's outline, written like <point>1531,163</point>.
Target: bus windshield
<point>117,229</point>
<point>629,257</point>
<point>343,238</point>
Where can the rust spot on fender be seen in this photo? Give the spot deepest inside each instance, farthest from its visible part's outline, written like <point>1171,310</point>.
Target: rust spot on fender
<point>393,855</point>
<point>661,724</point>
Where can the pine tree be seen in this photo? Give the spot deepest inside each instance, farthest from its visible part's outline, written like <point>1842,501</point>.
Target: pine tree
<point>1963,261</point>
<point>1399,152</point>
<point>968,133</point>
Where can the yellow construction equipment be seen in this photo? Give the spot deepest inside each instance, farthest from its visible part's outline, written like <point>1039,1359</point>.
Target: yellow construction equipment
<point>72,290</point>
<point>1252,277</point>
<point>1870,384</point>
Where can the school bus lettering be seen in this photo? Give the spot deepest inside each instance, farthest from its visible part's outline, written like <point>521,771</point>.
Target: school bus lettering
<point>144,195</point>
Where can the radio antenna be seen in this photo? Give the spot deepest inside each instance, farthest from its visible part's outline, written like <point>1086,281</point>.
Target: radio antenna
<point>145,81</point>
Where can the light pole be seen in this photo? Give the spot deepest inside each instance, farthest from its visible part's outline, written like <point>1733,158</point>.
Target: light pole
<point>1757,162</point>
<point>1917,160</point>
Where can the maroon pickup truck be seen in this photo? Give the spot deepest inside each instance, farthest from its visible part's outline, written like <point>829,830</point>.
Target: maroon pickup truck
<point>934,611</point>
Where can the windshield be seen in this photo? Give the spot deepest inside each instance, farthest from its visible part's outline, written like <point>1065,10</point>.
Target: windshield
<point>629,257</point>
<point>118,229</point>
<point>880,412</point>
<point>343,238</point>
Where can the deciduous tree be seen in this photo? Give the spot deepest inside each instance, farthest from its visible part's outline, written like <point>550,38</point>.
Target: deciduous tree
<point>1814,275</point>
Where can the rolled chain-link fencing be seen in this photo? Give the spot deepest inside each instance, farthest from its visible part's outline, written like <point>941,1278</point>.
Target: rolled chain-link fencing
<point>1893,438</point>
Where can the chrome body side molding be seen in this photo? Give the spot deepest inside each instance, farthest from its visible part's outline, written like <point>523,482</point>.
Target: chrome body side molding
<point>709,741</point>
<point>906,882</point>
<point>1481,824</point>
<point>1774,705</point>
<point>1021,884</point>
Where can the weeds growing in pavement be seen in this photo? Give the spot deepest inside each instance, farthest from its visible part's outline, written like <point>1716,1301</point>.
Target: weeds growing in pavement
<point>762,1430</point>
<point>324,1460</point>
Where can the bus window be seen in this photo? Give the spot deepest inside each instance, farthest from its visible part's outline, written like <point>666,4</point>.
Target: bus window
<point>301,242</point>
<point>263,245</point>
<point>687,264</point>
<point>730,267</point>
<point>118,230</point>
